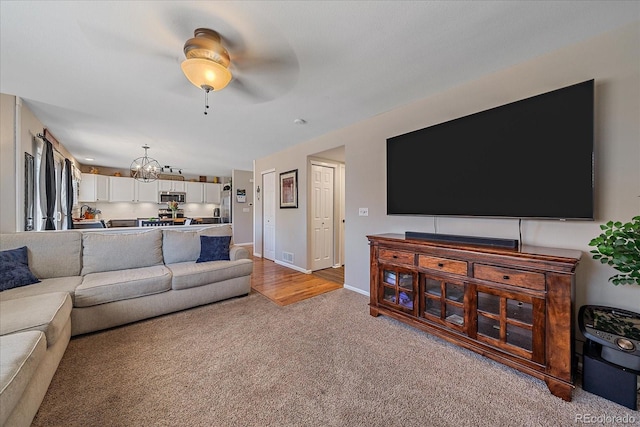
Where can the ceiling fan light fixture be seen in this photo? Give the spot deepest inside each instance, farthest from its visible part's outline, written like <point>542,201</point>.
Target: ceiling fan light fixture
<point>206,74</point>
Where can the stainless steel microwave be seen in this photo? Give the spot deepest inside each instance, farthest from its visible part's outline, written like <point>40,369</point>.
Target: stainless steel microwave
<point>172,196</point>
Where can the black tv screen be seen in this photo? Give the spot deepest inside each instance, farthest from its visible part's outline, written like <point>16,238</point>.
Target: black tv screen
<point>528,159</point>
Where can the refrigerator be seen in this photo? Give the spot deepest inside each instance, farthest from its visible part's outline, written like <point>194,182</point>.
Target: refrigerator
<point>225,206</point>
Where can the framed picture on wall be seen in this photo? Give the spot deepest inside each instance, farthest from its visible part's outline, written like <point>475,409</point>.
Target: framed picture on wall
<point>289,189</point>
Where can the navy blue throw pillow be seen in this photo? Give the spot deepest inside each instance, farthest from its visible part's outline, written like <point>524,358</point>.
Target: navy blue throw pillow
<point>14,269</point>
<point>214,248</point>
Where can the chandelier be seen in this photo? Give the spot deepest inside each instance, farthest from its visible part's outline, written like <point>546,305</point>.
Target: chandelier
<point>145,169</point>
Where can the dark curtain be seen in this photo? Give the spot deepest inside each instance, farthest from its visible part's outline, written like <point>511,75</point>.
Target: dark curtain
<point>50,185</point>
<point>68,178</point>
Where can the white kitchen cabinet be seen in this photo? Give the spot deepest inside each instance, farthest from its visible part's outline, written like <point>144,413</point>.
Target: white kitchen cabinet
<point>93,188</point>
<point>146,191</point>
<point>194,192</point>
<point>164,185</point>
<point>121,189</point>
<point>212,193</point>
<point>179,186</point>
<point>131,190</point>
<point>170,185</point>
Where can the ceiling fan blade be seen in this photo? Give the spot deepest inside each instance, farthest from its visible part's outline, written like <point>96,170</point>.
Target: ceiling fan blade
<point>275,63</point>
<point>250,92</point>
<point>180,23</point>
<point>265,78</point>
<point>108,40</point>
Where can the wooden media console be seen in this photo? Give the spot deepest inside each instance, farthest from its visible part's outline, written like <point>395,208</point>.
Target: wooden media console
<point>515,306</point>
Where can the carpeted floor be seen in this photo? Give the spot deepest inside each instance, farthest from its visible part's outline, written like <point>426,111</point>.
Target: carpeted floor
<point>320,362</point>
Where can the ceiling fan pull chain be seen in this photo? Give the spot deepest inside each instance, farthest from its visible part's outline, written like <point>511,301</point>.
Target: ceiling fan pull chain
<point>206,101</point>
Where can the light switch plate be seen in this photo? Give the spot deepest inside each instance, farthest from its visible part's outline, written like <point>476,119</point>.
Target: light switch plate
<point>363,211</point>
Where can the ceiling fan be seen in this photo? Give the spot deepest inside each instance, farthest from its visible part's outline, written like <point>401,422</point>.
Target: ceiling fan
<point>207,62</point>
<point>256,71</point>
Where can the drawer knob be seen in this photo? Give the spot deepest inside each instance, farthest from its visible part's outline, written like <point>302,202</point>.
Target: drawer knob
<point>395,256</point>
<point>505,277</point>
<point>440,265</point>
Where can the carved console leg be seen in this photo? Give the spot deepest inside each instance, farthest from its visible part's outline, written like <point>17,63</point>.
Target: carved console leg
<point>560,389</point>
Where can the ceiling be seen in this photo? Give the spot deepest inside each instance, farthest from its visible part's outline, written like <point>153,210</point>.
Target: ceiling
<point>105,78</point>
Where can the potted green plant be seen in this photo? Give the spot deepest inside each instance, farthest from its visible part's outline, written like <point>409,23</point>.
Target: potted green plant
<point>619,247</point>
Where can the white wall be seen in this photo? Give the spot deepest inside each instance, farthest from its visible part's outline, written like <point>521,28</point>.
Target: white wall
<point>612,59</point>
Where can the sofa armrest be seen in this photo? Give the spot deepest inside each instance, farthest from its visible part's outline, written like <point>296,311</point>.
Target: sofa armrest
<point>238,252</point>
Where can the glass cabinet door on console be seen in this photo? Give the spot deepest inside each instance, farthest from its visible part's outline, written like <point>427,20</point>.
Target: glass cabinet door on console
<point>398,288</point>
<point>443,301</point>
<point>511,321</point>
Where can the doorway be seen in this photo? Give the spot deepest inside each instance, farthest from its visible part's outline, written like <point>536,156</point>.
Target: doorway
<point>326,203</point>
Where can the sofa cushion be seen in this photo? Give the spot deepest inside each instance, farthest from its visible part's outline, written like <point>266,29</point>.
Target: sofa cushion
<point>20,356</point>
<point>190,275</point>
<point>45,286</point>
<point>104,287</point>
<point>120,251</point>
<point>181,246</point>
<point>14,269</point>
<point>214,248</point>
<point>46,249</point>
<point>48,313</point>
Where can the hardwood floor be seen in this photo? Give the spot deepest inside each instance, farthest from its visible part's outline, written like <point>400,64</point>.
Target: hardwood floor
<point>285,286</point>
<point>332,274</point>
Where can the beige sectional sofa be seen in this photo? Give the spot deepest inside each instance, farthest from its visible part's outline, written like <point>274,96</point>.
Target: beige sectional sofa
<point>95,280</point>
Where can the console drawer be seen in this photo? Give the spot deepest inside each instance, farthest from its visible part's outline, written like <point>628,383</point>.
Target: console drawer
<point>443,264</point>
<point>510,276</point>
<point>398,257</point>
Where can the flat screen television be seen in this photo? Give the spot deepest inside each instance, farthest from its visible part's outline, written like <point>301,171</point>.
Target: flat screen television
<point>531,158</point>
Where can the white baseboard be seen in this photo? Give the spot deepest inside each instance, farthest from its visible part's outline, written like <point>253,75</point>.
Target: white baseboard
<point>257,255</point>
<point>358,290</point>
<point>293,267</point>
<point>243,244</point>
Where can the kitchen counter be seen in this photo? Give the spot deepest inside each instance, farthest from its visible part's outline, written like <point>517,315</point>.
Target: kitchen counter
<point>209,220</point>
<point>115,223</point>
<point>122,223</point>
<point>88,223</point>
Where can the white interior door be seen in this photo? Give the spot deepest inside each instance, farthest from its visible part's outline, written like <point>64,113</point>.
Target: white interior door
<point>322,216</point>
<point>269,216</point>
